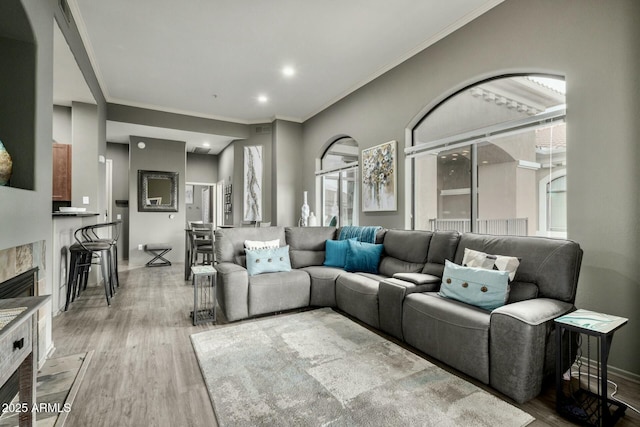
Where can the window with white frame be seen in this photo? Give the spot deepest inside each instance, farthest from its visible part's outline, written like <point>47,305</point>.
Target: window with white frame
<point>492,159</point>
<point>338,177</point>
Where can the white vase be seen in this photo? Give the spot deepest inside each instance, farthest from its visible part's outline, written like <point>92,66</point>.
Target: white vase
<point>313,221</point>
<point>304,218</point>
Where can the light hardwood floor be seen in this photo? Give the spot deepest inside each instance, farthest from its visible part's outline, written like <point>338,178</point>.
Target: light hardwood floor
<point>144,371</point>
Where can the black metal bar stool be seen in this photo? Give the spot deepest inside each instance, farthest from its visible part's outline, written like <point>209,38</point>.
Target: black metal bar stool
<point>89,247</point>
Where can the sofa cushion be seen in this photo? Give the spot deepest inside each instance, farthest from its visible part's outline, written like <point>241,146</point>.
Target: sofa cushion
<point>451,331</point>
<point>307,244</point>
<point>443,246</point>
<point>487,289</point>
<point>357,295</point>
<point>553,265</point>
<point>230,241</point>
<point>404,251</point>
<point>271,260</point>
<point>364,257</point>
<point>323,285</point>
<point>521,291</point>
<point>335,253</point>
<point>272,292</point>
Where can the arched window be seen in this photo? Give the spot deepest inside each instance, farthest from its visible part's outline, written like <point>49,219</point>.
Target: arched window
<point>338,179</point>
<point>480,156</point>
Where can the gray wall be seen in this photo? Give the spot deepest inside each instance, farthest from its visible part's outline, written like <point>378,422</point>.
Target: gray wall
<point>143,116</point>
<point>230,165</point>
<point>226,166</point>
<point>96,174</point>
<point>26,214</point>
<point>119,155</point>
<point>202,168</point>
<point>591,42</point>
<point>287,174</point>
<point>61,124</point>
<point>85,169</point>
<point>156,227</point>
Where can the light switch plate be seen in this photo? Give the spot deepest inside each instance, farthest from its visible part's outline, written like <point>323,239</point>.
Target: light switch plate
<point>85,200</point>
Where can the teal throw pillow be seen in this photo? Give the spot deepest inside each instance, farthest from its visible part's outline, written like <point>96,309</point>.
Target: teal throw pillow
<point>363,257</point>
<point>487,289</point>
<point>268,260</point>
<point>335,253</point>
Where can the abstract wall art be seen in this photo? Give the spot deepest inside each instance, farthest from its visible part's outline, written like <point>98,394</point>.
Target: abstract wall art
<point>252,200</point>
<point>379,178</point>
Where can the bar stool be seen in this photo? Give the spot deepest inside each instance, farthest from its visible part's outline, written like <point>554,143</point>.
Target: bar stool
<point>202,242</point>
<point>90,246</point>
<point>91,234</point>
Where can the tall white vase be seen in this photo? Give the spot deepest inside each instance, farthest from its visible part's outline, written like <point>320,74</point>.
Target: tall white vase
<point>304,212</point>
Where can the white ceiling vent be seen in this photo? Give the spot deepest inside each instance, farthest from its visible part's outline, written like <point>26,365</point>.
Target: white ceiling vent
<point>201,150</point>
<point>263,129</point>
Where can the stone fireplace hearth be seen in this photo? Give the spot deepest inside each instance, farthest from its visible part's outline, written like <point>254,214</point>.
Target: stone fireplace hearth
<point>23,258</point>
<point>22,285</point>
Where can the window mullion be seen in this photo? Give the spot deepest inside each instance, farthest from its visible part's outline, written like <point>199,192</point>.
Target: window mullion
<point>474,188</point>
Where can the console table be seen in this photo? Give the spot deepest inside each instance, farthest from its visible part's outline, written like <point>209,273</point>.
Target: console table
<point>587,400</point>
<point>19,349</point>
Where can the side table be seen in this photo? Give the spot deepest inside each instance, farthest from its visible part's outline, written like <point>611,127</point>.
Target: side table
<point>584,398</point>
<point>204,294</point>
<point>19,349</point>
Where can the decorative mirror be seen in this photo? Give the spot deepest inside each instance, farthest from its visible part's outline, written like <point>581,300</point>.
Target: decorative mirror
<point>157,191</point>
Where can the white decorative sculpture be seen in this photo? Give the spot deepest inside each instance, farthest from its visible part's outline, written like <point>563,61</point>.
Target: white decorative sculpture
<point>304,220</point>
<point>313,221</point>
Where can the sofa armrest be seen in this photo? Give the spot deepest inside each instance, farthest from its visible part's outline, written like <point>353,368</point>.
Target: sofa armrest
<point>418,278</point>
<point>391,294</point>
<point>521,338</point>
<point>232,290</point>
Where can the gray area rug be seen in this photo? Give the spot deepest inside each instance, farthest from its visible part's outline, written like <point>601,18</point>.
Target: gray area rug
<point>319,368</point>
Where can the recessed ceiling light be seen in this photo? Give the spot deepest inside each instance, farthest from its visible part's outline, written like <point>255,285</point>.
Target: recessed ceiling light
<point>288,71</point>
<point>262,99</point>
<point>205,144</point>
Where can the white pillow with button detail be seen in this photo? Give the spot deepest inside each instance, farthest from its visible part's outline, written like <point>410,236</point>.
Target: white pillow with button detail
<point>272,260</point>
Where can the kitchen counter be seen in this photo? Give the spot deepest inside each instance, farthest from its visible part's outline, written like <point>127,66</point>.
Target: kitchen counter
<point>64,226</point>
<point>73,214</point>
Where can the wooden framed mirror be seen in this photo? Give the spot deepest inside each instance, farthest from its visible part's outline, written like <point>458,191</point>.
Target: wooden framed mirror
<point>157,191</point>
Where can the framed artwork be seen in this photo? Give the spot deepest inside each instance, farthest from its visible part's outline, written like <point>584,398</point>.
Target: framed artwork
<point>379,178</point>
<point>188,194</point>
<point>252,197</point>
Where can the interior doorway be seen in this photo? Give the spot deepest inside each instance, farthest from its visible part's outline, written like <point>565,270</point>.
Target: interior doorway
<point>201,202</point>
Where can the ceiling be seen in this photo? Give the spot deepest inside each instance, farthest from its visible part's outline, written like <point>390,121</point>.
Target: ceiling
<point>215,59</point>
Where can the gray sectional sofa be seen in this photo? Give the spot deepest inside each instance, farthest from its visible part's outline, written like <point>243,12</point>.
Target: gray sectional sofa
<point>511,348</point>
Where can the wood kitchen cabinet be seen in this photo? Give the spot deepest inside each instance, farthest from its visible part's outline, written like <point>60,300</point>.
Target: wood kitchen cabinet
<point>62,172</point>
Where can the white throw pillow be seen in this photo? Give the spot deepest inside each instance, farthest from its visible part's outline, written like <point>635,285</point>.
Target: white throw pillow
<point>258,244</point>
<point>491,262</point>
